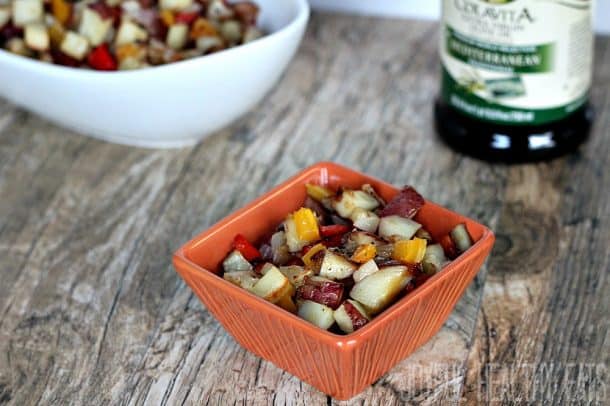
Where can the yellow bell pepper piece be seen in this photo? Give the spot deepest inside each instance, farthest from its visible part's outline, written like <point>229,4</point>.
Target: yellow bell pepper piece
<point>286,303</point>
<point>312,251</point>
<point>61,11</point>
<point>167,17</point>
<point>409,251</point>
<point>364,253</point>
<point>306,225</point>
<point>317,192</point>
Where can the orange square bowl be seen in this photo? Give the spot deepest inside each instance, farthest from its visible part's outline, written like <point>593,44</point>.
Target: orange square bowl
<point>338,365</point>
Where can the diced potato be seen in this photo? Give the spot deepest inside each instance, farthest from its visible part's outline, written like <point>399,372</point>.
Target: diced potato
<point>296,274</point>
<point>218,10</point>
<point>205,44</point>
<point>177,36</point>
<point>266,267</point>
<point>397,228</point>
<point>433,259</point>
<point>244,279</point>
<point>37,37</point>
<point>365,270</point>
<point>17,46</point>
<point>176,5</point>
<point>350,316</point>
<point>235,262</point>
<point>316,313</point>
<point>5,15</point>
<point>358,238</point>
<point>231,31</point>
<point>335,266</point>
<point>371,191</point>
<point>321,290</point>
<point>94,27</point>
<point>273,286</point>
<point>349,200</point>
<point>365,220</point>
<point>378,290</point>
<point>281,253</point>
<point>130,32</point>
<point>292,238</point>
<point>252,33</point>
<point>27,11</point>
<point>460,237</point>
<point>75,45</point>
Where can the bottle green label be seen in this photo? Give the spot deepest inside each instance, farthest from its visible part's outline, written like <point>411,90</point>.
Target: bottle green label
<point>516,62</point>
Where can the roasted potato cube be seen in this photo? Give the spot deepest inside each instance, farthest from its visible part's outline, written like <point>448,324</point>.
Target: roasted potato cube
<point>433,259</point>
<point>244,279</point>
<point>177,36</point>
<point>460,237</point>
<point>37,37</point>
<point>27,11</point>
<point>336,266</point>
<point>350,316</point>
<point>365,220</point>
<point>397,228</point>
<point>365,270</point>
<point>74,45</point>
<point>321,290</point>
<point>94,27</point>
<point>235,262</point>
<point>296,274</point>
<point>378,290</point>
<point>273,286</point>
<point>130,32</point>
<point>349,200</point>
<point>316,313</point>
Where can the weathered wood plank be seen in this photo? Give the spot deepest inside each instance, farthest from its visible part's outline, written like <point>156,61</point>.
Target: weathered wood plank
<point>543,327</point>
<point>92,312</point>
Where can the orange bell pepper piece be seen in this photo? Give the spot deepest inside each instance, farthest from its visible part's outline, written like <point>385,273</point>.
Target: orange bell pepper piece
<point>306,225</point>
<point>409,251</point>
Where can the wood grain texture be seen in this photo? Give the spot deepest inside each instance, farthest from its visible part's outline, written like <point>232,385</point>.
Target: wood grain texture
<point>91,311</point>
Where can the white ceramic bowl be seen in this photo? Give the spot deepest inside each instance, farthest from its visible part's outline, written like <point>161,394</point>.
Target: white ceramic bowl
<point>166,106</point>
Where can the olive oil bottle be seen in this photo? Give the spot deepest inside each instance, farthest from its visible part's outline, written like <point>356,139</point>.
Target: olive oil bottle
<point>516,76</point>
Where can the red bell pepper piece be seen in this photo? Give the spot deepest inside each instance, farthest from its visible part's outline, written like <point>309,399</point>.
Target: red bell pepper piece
<point>249,251</point>
<point>186,18</point>
<point>334,229</point>
<point>101,58</point>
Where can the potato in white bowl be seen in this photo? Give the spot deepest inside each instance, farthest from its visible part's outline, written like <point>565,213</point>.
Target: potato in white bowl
<point>171,105</point>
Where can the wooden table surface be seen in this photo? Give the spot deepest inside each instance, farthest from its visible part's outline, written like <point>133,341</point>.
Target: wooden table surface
<point>92,312</point>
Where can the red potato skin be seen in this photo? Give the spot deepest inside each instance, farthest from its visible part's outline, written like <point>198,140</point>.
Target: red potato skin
<point>107,12</point>
<point>419,277</point>
<point>449,247</point>
<point>326,293</point>
<point>334,230</point>
<point>334,241</point>
<point>358,320</point>
<point>406,204</point>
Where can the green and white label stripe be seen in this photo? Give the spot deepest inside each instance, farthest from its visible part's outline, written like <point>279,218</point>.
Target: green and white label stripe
<point>472,105</point>
<point>496,57</point>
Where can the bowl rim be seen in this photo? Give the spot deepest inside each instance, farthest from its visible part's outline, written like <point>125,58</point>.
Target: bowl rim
<point>300,19</point>
<point>343,342</point>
